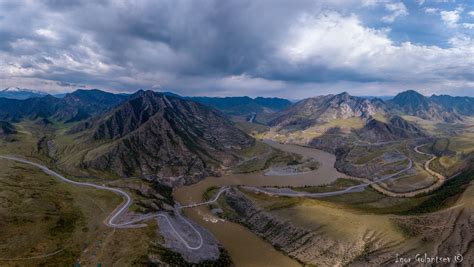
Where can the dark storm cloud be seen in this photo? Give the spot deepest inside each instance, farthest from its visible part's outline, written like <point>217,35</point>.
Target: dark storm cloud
<point>206,46</point>
<point>63,4</point>
<point>73,85</point>
<point>219,35</point>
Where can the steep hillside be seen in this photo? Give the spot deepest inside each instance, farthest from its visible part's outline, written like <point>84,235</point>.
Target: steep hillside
<point>7,128</point>
<point>20,93</point>
<point>161,136</point>
<point>395,129</point>
<point>461,105</point>
<point>323,109</point>
<point>415,104</point>
<point>32,108</point>
<point>75,106</point>
<point>82,104</point>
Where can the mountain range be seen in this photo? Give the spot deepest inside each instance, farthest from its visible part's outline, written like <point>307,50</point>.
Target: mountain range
<point>441,108</point>
<point>75,106</point>
<point>322,109</point>
<point>158,135</point>
<point>332,121</point>
<point>182,139</point>
<point>396,128</point>
<point>19,93</point>
<point>259,107</point>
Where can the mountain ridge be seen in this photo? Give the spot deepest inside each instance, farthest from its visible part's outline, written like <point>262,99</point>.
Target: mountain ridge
<point>416,104</point>
<point>75,106</point>
<point>163,137</point>
<point>322,109</point>
<point>20,93</point>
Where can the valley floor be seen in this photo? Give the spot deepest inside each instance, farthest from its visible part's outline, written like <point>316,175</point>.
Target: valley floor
<point>284,228</point>
<point>49,222</point>
<point>358,230</point>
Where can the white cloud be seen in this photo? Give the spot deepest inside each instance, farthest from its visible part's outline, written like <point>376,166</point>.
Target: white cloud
<point>370,3</point>
<point>451,18</point>
<point>396,9</point>
<point>47,33</point>
<point>272,50</point>
<point>431,10</point>
<point>344,43</point>
<point>471,13</point>
<point>420,2</point>
<point>469,26</point>
<point>331,38</point>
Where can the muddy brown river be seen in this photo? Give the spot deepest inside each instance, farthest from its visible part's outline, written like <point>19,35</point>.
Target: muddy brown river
<point>244,247</point>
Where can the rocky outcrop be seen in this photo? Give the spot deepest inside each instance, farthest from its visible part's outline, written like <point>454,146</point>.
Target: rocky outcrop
<point>310,246</point>
<point>163,137</point>
<point>322,109</point>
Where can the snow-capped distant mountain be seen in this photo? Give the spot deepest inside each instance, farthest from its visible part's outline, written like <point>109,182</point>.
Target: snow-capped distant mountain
<point>20,93</point>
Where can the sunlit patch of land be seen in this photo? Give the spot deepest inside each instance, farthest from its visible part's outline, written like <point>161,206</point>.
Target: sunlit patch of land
<point>41,215</point>
<point>60,224</point>
<point>305,135</point>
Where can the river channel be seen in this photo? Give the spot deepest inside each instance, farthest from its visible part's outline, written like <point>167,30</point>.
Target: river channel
<point>244,247</point>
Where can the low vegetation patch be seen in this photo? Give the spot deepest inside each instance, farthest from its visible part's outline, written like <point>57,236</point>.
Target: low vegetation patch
<point>406,229</point>
<point>444,196</point>
<point>209,193</point>
<point>262,163</point>
<point>339,184</point>
<point>373,202</point>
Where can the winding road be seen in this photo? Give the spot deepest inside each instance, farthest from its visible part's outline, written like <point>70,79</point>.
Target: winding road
<point>110,221</point>
<point>440,179</point>
<point>216,197</point>
<point>288,192</point>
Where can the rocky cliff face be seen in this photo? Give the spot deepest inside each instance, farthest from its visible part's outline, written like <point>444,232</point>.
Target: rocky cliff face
<point>427,234</point>
<point>165,137</point>
<point>309,246</point>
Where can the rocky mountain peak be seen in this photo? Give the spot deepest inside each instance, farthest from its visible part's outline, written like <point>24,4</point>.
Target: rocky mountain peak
<point>413,103</point>
<point>162,136</point>
<point>322,109</point>
<point>410,98</point>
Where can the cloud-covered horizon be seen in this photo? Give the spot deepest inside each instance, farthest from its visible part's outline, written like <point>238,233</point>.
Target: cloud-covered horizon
<point>290,49</point>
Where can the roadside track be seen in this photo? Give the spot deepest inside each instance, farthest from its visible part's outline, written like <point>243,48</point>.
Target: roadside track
<point>110,221</point>
<point>440,179</point>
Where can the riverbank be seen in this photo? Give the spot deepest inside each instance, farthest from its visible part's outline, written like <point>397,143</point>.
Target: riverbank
<point>245,247</point>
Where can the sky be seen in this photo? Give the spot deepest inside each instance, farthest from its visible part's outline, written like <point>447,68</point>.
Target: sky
<point>291,48</point>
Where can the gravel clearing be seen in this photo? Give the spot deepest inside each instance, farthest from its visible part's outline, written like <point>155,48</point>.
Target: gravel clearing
<point>209,249</point>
